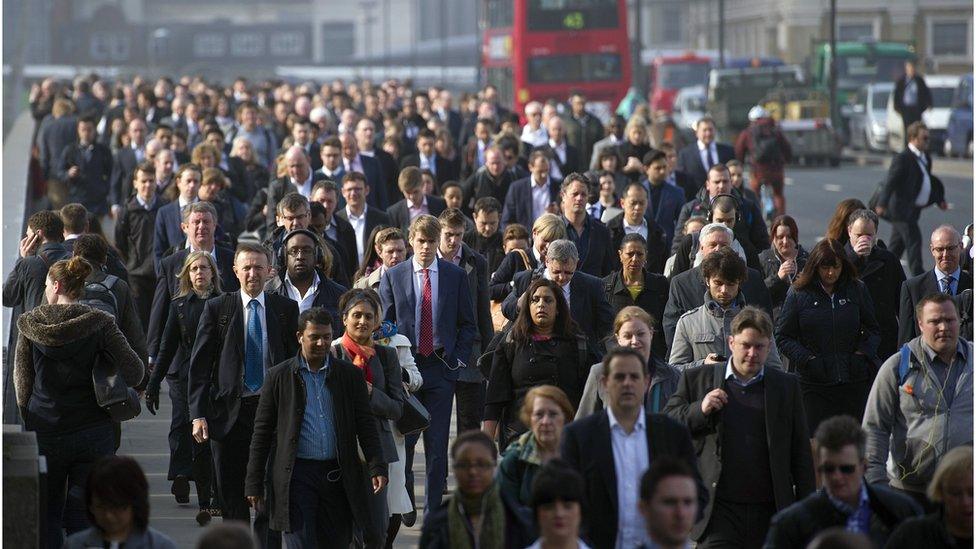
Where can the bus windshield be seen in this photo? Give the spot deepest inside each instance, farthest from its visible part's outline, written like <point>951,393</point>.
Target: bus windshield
<point>554,15</point>
<point>855,71</point>
<point>591,67</point>
<point>681,75</point>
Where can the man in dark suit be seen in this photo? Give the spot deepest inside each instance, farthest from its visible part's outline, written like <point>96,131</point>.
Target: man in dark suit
<point>76,223</point>
<point>301,134</point>
<point>352,161</point>
<point>688,289</point>
<point>366,140</point>
<point>470,388</point>
<point>84,168</point>
<point>56,132</point>
<point>409,299</point>
<point>474,152</point>
<point>665,201</point>
<point>486,239</point>
<point>125,162</point>
<point>414,201</point>
<point>592,238</point>
<point>134,235</point>
<point>169,219</point>
<point>321,506</point>
<point>750,219</point>
<point>565,158</point>
<point>492,180</point>
<point>947,277</point>
<point>199,228</point>
<point>240,337</point>
<point>444,109</point>
<point>634,220</point>
<point>361,216</point>
<point>910,187</point>
<point>912,97</point>
<point>528,198</point>
<point>300,179</point>
<point>336,230</point>
<point>584,293</point>
<point>613,447</point>
<point>699,157</point>
<point>751,434</point>
<point>426,158</point>
<point>331,154</point>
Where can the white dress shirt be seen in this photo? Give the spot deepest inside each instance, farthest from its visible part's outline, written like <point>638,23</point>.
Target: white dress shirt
<point>709,150</point>
<point>418,292</point>
<point>560,151</point>
<point>428,163</point>
<point>630,461</point>
<point>638,229</point>
<point>262,318</point>
<point>536,137</point>
<point>565,288</point>
<point>359,226</point>
<point>305,188</point>
<point>304,301</point>
<point>540,197</point>
<point>922,199</point>
<point>354,165</point>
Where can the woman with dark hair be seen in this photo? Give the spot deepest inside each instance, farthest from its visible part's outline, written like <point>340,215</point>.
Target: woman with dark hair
<point>58,345</point>
<point>188,460</point>
<point>360,313</point>
<point>828,330</point>
<point>558,493</point>
<point>544,347</point>
<point>635,284</point>
<point>478,514</point>
<point>782,261</point>
<point>117,499</point>
<point>837,227</point>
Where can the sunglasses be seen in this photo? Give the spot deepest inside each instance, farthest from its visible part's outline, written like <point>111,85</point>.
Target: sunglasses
<point>830,469</point>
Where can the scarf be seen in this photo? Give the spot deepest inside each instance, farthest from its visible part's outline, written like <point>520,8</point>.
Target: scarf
<point>492,512</point>
<point>360,355</point>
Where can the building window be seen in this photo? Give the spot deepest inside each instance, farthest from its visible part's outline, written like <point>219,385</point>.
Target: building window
<point>671,24</point>
<point>248,44</point>
<point>853,32</point>
<point>286,43</point>
<point>949,38</point>
<point>108,46</point>
<point>338,40</point>
<point>209,45</point>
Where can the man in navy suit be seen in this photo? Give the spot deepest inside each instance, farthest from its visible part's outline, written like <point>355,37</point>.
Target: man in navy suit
<point>426,158</point>
<point>169,221</point>
<point>699,157</point>
<point>125,164</point>
<point>530,197</point>
<point>414,202</point>
<point>665,200</point>
<point>352,161</point>
<point>430,302</point>
<point>592,238</point>
<point>361,216</point>
<point>85,167</point>
<point>584,293</point>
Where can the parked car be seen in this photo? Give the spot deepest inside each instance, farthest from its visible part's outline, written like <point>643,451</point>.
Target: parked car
<point>943,87</point>
<point>689,106</point>
<point>868,117</point>
<point>959,132</point>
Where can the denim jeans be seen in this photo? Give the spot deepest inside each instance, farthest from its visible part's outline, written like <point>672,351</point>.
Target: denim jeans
<point>69,457</point>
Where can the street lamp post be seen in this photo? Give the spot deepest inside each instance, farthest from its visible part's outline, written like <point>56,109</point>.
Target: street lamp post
<point>833,62</point>
<point>721,34</point>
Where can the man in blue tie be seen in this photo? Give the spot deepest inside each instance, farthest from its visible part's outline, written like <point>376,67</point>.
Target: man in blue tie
<point>241,335</point>
<point>429,300</point>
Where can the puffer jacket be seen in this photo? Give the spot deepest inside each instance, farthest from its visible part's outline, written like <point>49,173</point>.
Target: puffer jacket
<point>908,421</point>
<point>883,275</point>
<point>820,334</point>
<point>56,349</point>
<point>706,329</point>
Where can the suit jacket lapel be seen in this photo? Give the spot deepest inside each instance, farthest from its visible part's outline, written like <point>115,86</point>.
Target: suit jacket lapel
<point>406,278</point>
<point>604,458</point>
<point>442,289</point>
<point>274,336</point>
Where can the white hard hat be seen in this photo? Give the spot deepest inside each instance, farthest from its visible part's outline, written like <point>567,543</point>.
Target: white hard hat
<point>756,113</point>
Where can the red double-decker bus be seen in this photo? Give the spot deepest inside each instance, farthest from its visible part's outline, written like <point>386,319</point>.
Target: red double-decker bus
<point>545,49</point>
<point>670,73</point>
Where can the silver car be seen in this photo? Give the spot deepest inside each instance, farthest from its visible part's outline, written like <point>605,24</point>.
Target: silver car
<point>868,124</point>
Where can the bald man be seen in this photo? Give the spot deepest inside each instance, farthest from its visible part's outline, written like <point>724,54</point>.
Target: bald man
<point>299,178</point>
<point>352,161</point>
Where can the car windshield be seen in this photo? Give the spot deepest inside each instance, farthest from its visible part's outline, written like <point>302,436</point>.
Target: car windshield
<point>677,76</point>
<point>854,71</point>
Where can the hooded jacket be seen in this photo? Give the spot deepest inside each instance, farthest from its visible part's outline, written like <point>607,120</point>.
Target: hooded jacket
<point>56,350</point>
<point>909,426</point>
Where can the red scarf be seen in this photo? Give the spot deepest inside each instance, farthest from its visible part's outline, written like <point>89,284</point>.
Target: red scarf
<point>360,355</point>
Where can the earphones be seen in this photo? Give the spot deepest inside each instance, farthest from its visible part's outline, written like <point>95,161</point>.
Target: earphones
<point>738,206</point>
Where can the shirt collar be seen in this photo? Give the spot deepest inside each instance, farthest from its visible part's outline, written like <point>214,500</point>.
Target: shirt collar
<point>417,267</point>
<point>730,373</point>
<point>961,350</point>
<point>629,226</point>
<point>559,147</point>
<point>863,500</point>
<point>303,365</point>
<point>71,236</point>
<point>457,257</point>
<point>702,146</point>
<point>915,150</point>
<point>315,281</point>
<point>302,185</point>
<point>939,275</point>
<point>640,425</point>
<point>357,217</point>
<point>422,204</point>
<point>539,183</point>
<point>245,299</point>
<point>144,204</point>
<point>547,276</point>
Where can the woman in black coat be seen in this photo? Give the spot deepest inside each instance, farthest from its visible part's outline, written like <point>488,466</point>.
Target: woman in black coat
<point>880,271</point>
<point>188,460</point>
<point>634,285</point>
<point>544,347</point>
<point>828,331</point>
<point>633,148</point>
<point>58,345</point>
<point>783,261</point>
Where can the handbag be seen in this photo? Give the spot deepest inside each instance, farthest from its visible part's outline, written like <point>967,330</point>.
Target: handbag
<point>119,401</point>
<point>498,319</point>
<point>415,418</point>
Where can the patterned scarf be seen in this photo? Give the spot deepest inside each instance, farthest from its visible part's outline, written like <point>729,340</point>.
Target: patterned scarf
<point>360,355</point>
<point>492,512</point>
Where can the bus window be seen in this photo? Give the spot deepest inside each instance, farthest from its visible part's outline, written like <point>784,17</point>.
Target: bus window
<point>553,15</point>
<point>593,67</point>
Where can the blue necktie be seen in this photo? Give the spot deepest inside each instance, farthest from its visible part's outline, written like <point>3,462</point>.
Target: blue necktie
<point>947,284</point>
<point>253,350</point>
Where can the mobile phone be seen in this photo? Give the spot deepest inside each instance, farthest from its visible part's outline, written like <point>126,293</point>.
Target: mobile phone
<point>721,358</point>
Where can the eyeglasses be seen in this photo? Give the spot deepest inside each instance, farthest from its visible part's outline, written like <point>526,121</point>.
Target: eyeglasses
<point>295,252</point>
<point>944,250</point>
<point>477,466</point>
<point>829,469</point>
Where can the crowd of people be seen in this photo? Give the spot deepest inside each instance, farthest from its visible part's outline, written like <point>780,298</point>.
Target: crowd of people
<point>324,275</point>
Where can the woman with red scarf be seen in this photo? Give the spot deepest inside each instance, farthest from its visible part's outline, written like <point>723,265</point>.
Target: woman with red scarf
<point>360,310</point>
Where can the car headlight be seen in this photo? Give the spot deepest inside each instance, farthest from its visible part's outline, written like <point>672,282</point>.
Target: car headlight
<point>878,128</point>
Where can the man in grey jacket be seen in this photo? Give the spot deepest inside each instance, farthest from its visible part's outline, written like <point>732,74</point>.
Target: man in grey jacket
<point>921,404</point>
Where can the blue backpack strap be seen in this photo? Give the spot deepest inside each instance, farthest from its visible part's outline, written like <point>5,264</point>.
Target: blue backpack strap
<point>904,364</point>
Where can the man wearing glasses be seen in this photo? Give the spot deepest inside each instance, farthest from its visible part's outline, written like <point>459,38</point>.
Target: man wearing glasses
<point>846,500</point>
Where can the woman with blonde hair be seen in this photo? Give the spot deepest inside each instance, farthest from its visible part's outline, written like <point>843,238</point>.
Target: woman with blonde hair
<point>58,346</point>
<point>198,281</point>
<point>545,229</point>
<point>951,488</point>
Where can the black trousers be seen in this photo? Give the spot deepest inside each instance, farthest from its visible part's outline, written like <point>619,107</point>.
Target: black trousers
<point>470,397</point>
<point>319,516</point>
<point>186,457</point>
<point>737,525</point>
<point>906,238</point>
<point>230,463</point>
<point>143,288</point>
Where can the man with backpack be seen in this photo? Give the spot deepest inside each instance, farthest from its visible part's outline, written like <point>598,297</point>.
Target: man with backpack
<point>767,150</point>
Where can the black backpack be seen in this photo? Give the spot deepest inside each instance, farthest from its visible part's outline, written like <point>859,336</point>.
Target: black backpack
<point>99,295</point>
<point>765,145</point>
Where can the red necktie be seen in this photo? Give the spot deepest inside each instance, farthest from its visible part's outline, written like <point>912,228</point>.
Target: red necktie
<point>426,345</point>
